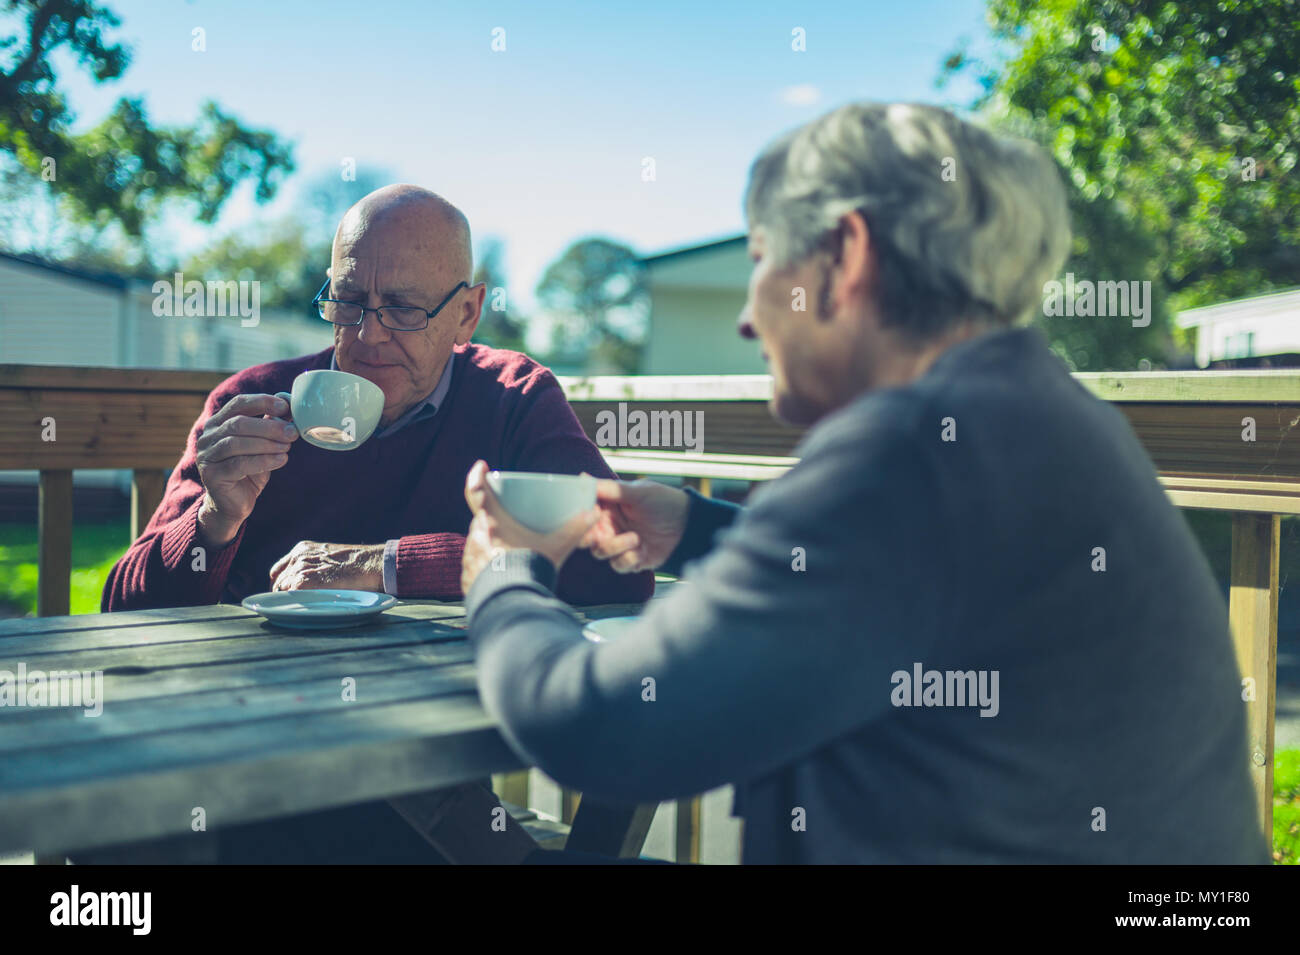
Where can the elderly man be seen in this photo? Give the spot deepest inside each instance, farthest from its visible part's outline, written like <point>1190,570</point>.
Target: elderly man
<point>249,508</point>
<point>906,649</point>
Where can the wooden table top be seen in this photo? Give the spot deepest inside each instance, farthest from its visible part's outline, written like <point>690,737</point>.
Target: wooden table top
<point>213,707</point>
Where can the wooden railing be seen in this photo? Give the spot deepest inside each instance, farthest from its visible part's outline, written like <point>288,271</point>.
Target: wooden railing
<point>1190,423</point>
<point>55,420</point>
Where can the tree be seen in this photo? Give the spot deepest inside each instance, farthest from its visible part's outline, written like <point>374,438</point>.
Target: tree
<point>497,326</point>
<point>595,295</point>
<point>285,258</point>
<point>290,255</point>
<point>1177,126</point>
<point>124,169</point>
<point>327,195</point>
<point>32,221</point>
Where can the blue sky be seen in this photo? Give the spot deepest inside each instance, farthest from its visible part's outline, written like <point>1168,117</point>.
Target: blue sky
<point>543,142</point>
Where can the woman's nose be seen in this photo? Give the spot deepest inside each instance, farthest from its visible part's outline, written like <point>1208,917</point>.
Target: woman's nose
<point>745,326</point>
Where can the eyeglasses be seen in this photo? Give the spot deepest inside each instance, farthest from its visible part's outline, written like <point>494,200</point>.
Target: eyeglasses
<point>400,318</point>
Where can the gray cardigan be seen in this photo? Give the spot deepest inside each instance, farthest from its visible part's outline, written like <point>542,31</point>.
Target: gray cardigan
<point>907,649</point>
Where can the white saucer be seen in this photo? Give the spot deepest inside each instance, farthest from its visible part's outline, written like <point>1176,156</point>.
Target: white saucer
<point>318,609</point>
<point>608,628</point>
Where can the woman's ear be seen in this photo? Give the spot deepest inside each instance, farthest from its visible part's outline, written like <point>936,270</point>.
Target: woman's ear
<point>849,275</point>
<point>855,254</point>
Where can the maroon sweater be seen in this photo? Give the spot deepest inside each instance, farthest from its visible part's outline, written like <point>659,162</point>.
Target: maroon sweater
<point>502,407</point>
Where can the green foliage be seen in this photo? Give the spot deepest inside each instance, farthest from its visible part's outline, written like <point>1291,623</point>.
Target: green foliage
<point>124,169</point>
<point>1177,127</point>
<point>596,296</point>
<point>289,257</point>
<point>498,324</point>
<point>32,220</point>
<point>288,262</point>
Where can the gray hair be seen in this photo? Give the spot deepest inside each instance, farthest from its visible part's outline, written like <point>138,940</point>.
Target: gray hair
<point>966,224</point>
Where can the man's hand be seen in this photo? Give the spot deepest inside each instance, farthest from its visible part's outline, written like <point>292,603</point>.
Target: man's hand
<point>239,448</point>
<point>315,566</point>
<point>641,523</point>
<point>493,530</point>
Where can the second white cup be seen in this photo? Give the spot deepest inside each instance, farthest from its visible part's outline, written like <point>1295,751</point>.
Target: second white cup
<point>543,502</point>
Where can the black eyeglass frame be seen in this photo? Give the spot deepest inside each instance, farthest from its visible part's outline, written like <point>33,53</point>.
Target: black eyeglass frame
<point>379,312</point>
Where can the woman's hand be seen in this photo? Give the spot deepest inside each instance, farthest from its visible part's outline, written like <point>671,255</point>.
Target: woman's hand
<point>493,531</point>
<point>641,523</point>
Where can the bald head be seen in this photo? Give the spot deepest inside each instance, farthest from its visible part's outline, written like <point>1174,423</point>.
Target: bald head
<point>428,224</point>
<point>403,247</point>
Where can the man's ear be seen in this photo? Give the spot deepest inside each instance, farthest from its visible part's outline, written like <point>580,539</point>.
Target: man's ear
<point>470,312</point>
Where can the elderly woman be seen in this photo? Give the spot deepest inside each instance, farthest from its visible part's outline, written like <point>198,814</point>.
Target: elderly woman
<point>967,627</point>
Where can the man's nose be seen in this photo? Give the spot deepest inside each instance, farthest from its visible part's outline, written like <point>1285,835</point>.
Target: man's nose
<point>745,326</point>
<point>372,331</point>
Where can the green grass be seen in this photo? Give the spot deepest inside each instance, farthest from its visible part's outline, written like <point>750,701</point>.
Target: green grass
<point>1286,807</point>
<point>95,548</point>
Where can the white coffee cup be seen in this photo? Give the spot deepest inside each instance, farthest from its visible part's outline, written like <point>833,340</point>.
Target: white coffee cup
<point>335,410</point>
<point>543,502</point>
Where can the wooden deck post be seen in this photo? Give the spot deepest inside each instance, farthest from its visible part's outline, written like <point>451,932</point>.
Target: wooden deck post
<point>512,788</point>
<point>54,544</point>
<point>147,487</point>
<point>688,830</point>
<point>569,799</point>
<point>1252,611</point>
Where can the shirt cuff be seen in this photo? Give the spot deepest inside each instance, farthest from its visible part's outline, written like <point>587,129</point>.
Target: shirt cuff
<point>390,566</point>
<point>507,570</point>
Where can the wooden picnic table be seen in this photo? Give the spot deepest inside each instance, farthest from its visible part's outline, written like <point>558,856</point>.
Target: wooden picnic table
<point>214,708</point>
